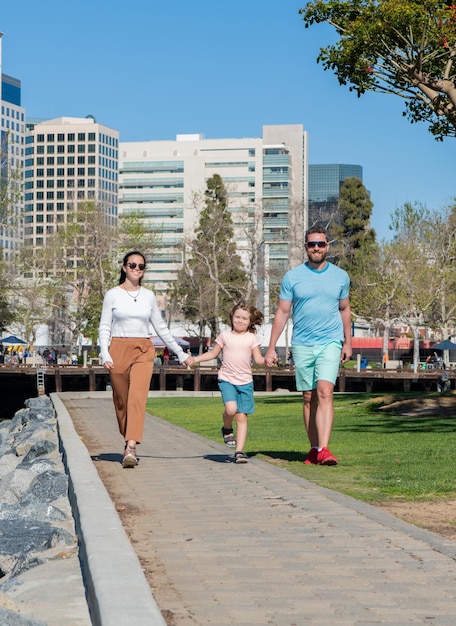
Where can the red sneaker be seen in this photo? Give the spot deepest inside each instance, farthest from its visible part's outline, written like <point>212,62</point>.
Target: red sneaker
<point>312,457</point>
<point>326,458</point>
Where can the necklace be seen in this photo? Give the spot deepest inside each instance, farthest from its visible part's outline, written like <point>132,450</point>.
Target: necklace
<point>131,295</point>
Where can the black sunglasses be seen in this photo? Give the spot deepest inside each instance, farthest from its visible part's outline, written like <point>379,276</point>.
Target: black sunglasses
<point>140,266</point>
<point>316,244</point>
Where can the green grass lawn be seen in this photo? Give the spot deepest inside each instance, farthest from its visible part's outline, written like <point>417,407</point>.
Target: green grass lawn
<point>381,456</point>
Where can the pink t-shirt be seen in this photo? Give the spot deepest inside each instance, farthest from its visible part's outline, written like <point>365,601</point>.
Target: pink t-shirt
<point>237,349</point>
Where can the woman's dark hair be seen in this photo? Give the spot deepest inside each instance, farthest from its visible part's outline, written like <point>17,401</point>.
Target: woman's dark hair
<point>123,276</point>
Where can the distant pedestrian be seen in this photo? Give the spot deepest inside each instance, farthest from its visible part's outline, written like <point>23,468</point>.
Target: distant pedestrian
<point>443,383</point>
<point>129,314</point>
<point>235,379</point>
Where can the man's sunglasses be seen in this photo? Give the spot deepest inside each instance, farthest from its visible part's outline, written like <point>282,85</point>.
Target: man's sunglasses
<point>140,266</point>
<point>316,244</point>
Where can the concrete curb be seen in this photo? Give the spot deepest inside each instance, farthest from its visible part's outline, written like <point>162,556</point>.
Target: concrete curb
<point>116,587</point>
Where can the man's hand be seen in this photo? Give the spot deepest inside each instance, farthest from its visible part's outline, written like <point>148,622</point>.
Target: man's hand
<point>346,353</point>
<point>270,357</point>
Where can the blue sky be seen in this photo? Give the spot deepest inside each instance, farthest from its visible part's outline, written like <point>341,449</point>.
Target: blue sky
<point>155,69</point>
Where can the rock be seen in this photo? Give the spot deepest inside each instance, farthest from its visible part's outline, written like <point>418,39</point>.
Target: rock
<point>9,618</point>
<point>36,524</point>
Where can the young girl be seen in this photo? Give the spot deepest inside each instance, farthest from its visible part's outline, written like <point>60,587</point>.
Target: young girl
<point>235,378</point>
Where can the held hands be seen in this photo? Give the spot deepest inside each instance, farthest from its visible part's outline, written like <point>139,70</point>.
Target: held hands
<point>189,362</point>
<point>270,358</point>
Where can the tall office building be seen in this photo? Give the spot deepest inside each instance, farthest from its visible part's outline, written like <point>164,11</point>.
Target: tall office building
<point>266,181</point>
<point>68,161</point>
<point>325,182</point>
<point>12,133</point>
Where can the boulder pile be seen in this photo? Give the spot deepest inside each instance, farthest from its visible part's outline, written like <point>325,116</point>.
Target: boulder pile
<point>36,521</point>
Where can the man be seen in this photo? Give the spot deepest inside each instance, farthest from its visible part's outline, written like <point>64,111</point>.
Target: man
<point>317,294</point>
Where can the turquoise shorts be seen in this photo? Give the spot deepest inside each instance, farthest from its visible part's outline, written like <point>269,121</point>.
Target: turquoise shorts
<point>241,394</point>
<point>314,363</point>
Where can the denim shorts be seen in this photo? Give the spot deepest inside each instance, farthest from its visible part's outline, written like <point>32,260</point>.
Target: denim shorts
<point>241,394</point>
<point>314,363</point>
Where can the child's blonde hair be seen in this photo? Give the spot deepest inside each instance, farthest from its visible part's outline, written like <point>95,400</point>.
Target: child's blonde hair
<point>256,316</point>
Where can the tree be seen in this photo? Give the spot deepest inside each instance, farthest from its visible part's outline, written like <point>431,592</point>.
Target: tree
<point>212,278</point>
<point>411,256</point>
<point>11,185</point>
<point>355,241</point>
<point>401,47</point>
<point>442,257</point>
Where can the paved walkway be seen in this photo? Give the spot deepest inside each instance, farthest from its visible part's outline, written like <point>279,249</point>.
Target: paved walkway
<point>251,544</point>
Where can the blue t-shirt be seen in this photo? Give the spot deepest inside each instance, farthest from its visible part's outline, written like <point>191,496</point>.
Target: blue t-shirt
<point>315,295</point>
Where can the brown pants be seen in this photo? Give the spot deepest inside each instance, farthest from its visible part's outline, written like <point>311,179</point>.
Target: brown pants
<point>130,379</point>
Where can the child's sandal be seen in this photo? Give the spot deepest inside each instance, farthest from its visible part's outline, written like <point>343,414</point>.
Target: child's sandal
<point>228,438</point>
<point>240,457</point>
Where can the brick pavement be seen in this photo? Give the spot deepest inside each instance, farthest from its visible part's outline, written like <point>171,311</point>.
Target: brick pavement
<point>251,544</point>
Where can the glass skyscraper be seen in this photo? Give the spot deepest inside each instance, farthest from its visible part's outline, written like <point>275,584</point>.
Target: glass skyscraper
<point>325,182</point>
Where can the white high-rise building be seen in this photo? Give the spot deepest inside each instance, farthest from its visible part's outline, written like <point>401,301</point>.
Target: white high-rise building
<point>69,160</point>
<point>266,180</point>
<point>12,133</point>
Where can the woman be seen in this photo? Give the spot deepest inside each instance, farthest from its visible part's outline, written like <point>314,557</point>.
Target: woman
<point>128,319</point>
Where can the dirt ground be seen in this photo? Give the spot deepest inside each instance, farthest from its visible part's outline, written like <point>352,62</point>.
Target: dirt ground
<point>439,517</point>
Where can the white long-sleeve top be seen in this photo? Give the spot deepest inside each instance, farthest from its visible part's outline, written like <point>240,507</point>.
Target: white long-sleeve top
<point>123,316</point>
